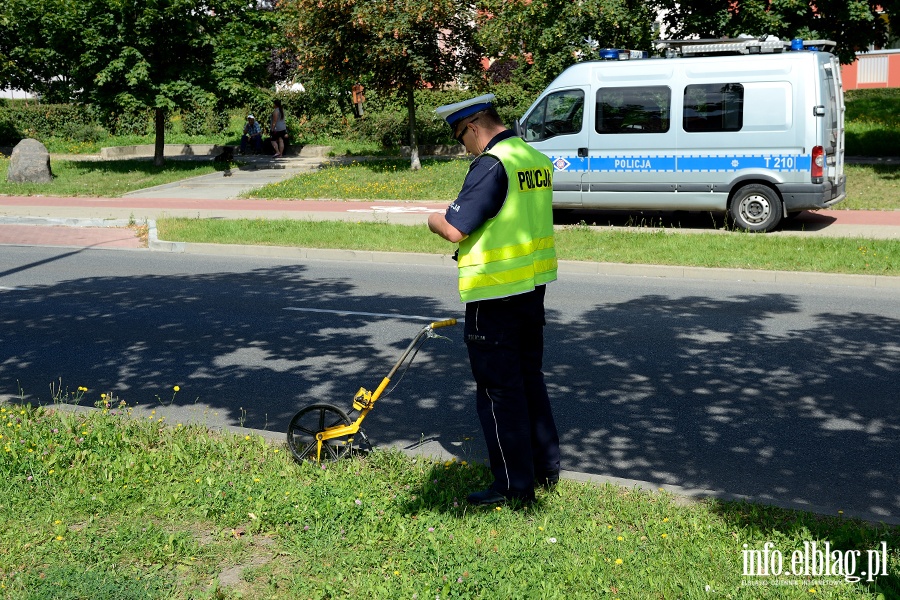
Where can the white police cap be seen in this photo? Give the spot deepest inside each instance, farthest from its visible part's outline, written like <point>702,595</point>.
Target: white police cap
<point>453,113</point>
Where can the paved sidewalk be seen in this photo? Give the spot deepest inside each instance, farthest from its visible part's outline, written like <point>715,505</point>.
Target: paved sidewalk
<point>256,171</point>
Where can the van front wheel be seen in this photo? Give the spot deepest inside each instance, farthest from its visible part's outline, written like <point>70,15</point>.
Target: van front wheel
<point>755,207</point>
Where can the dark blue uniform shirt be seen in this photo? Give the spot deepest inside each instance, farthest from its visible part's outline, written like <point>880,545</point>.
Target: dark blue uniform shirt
<point>483,192</point>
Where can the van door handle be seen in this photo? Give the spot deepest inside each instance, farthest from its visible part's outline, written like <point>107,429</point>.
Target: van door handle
<point>582,152</point>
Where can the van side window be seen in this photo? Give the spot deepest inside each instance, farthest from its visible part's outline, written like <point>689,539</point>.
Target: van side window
<point>557,114</point>
<point>713,107</point>
<point>633,109</point>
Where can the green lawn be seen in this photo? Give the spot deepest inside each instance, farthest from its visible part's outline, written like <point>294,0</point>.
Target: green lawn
<point>115,504</point>
<point>374,180</point>
<point>872,122</point>
<point>105,179</point>
<point>872,187</point>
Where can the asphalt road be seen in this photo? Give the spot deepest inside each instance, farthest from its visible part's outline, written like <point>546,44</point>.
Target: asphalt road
<point>781,393</point>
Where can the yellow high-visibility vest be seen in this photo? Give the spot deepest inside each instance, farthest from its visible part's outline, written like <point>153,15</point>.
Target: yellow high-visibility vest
<point>513,252</point>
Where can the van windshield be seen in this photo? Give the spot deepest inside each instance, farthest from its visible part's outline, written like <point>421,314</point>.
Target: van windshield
<point>559,113</point>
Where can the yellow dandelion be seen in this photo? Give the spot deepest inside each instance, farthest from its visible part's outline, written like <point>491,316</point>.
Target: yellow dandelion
<point>176,388</point>
<point>665,535</point>
<point>619,561</point>
<point>620,538</point>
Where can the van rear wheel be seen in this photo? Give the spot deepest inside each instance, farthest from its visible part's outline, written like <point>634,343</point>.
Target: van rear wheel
<point>755,207</point>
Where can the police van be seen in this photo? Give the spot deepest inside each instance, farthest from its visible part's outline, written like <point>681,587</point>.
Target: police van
<point>751,127</point>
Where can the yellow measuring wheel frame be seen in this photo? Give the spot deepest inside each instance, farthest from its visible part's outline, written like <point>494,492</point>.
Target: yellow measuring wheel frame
<point>324,431</point>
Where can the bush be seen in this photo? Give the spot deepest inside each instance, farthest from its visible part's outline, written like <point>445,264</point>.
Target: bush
<point>81,132</point>
<point>203,118</point>
<point>21,120</point>
<point>133,122</point>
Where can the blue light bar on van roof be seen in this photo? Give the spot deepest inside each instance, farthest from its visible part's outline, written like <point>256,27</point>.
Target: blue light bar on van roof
<point>609,54</point>
<point>710,47</point>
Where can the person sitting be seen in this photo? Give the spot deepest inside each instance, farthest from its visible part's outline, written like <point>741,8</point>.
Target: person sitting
<point>252,135</point>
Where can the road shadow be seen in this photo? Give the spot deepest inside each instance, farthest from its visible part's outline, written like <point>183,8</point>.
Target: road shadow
<point>719,401</point>
<point>711,396</point>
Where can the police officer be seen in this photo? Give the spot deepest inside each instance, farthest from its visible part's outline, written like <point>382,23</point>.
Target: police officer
<point>503,222</point>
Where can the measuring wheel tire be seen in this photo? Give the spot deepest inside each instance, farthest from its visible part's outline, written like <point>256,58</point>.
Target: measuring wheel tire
<point>301,433</point>
<point>755,207</point>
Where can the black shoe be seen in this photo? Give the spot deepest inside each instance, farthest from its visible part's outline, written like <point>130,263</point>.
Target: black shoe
<point>486,498</point>
<point>548,482</point>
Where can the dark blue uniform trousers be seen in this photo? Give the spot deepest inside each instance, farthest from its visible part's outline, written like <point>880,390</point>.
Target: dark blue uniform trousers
<point>505,339</point>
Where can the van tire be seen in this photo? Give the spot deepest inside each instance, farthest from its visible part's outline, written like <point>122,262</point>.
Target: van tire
<point>755,207</point>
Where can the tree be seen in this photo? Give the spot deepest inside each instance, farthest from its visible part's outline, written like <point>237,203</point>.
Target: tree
<point>133,54</point>
<point>393,46</point>
<point>546,36</point>
<point>852,24</point>
<point>38,52</point>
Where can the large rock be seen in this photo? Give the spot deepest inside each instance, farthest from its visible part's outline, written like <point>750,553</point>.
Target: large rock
<point>29,163</point>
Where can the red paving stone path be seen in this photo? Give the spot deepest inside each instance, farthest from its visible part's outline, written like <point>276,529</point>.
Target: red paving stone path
<point>63,235</point>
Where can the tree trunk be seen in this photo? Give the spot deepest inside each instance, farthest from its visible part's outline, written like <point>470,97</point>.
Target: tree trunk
<point>414,164</point>
<point>159,150</point>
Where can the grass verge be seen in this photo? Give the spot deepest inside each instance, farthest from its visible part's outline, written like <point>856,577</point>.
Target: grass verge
<point>872,187</point>
<point>580,243</point>
<point>390,179</point>
<point>107,179</point>
<point>106,504</point>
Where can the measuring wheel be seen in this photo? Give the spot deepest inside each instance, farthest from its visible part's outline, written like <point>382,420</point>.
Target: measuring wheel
<point>301,434</point>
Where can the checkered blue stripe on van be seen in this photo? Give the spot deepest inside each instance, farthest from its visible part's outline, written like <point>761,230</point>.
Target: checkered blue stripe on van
<point>684,164</point>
